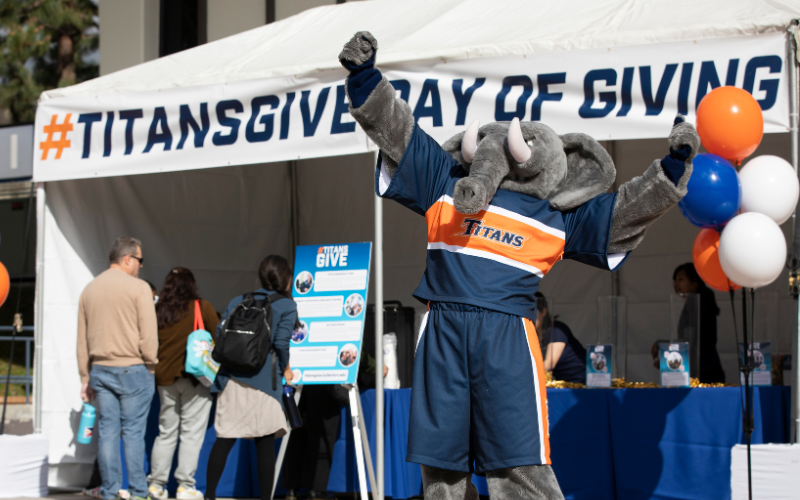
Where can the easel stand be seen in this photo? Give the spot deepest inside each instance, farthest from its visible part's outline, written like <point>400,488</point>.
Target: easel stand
<point>359,438</point>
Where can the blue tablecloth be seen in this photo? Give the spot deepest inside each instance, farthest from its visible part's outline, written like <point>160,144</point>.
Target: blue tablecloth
<point>605,443</point>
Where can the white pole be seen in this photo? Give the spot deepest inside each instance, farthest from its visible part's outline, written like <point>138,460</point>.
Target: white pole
<point>38,327</point>
<point>793,133</point>
<point>378,495</point>
<point>356,417</point>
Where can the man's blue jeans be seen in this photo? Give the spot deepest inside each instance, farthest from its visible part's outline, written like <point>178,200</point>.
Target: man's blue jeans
<point>124,394</point>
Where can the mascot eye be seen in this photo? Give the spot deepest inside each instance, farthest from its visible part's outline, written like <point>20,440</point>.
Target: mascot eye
<point>529,142</point>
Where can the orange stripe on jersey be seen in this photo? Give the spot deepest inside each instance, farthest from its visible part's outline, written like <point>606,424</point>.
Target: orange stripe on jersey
<point>488,234</point>
<point>533,343</point>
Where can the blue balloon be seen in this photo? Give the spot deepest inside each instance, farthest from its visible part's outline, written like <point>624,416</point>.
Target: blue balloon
<point>714,192</point>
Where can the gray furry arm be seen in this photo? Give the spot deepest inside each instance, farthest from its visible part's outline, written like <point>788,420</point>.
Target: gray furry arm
<point>387,120</point>
<point>640,202</point>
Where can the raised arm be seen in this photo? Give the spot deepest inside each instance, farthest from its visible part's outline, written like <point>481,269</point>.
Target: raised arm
<point>386,119</point>
<point>642,200</point>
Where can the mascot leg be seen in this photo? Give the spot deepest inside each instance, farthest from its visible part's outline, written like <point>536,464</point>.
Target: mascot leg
<point>529,482</point>
<point>441,484</point>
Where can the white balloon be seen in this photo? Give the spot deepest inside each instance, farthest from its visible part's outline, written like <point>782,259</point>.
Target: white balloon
<point>752,250</point>
<point>769,186</point>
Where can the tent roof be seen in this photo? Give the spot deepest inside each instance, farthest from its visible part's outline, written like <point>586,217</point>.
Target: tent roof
<point>418,30</point>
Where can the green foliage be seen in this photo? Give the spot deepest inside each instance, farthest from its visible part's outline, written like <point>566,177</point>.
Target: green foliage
<point>42,44</point>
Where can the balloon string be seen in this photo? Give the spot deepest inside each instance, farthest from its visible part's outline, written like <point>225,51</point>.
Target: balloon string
<point>732,294</point>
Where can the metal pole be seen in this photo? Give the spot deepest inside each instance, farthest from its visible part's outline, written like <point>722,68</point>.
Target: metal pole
<point>38,332</point>
<point>378,495</point>
<point>293,201</point>
<point>793,135</point>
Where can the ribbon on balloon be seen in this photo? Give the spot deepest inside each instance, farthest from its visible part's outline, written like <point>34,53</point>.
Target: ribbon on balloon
<point>740,243</point>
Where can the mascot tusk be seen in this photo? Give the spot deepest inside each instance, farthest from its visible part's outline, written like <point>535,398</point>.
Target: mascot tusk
<point>516,143</point>
<point>469,144</point>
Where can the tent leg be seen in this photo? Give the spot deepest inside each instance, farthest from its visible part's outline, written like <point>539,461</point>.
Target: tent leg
<point>793,133</point>
<point>356,419</point>
<point>378,495</point>
<point>284,445</point>
<point>38,326</point>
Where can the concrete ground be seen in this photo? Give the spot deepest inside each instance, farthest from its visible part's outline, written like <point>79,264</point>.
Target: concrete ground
<point>19,419</point>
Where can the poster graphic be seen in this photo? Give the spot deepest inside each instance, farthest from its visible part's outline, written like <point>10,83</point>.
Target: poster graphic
<point>599,360</point>
<point>762,363</point>
<point>674,364</point>
<point>330,288</point>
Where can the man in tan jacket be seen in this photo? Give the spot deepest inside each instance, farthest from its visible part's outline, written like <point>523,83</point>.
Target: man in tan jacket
<point>117,349</point>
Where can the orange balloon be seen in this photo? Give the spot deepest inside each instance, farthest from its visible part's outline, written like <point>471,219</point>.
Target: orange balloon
<point>5,284</point>
<point>730,123</point>
<point>705,254</point>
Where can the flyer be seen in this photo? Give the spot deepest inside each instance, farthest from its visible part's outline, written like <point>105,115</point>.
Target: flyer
<point>674,364</point>
<point>599,361</point>
<point>762,363</point>
<point>330,288</point>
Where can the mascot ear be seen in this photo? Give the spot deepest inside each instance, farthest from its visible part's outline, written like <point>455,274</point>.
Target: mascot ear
<point>590,172</point>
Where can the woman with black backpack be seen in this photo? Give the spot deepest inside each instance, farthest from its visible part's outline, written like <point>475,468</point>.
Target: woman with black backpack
<point>248,400</point>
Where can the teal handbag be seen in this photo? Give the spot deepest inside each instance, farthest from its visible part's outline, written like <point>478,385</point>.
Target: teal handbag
<point>199,347</point>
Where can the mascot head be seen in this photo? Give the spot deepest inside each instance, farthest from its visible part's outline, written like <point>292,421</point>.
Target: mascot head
<point>530,158</point>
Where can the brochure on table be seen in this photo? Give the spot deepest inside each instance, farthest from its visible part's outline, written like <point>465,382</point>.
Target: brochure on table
<point>599,360</point>
<point>330,288</point>
<point>674,364</point>
<point>762,363</point>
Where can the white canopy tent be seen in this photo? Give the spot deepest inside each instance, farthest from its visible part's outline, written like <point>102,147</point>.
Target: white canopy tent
<point>201,124</point>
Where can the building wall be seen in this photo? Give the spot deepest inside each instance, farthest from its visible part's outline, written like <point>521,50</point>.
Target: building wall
<point>128,33</point>
<point>226,18</point>
<point>289,8</point>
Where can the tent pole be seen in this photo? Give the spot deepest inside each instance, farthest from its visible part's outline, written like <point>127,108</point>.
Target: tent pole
<point>793,257</point>
<point>38,310</point>
<point>293,201</point>
<point>378,495</point>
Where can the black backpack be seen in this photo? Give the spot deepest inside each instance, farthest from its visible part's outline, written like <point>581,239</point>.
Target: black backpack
<point>244,339</point>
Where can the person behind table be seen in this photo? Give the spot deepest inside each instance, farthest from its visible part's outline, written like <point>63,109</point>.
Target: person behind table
<point>247,405</point>
<point>686,280</point>
<point>117,355</point>
<point>185,402</point>
<point>563,353</point>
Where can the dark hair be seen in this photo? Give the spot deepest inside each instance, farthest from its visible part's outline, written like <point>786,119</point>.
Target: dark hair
<point>547,320</point>
<point>541,305</point>
<point>275,274</point>
<point>152,286</point>
<point>124,245</point>
<point>178,292</point>
<point>706,294</point>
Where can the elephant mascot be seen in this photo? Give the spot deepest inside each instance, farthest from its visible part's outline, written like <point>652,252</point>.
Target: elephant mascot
<point>503,203</point>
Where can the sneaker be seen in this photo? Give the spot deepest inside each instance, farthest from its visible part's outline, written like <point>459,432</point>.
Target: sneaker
<point>124,494</point>
<point>92,493</point>
<point>190,493</point>
<point>157,492</point>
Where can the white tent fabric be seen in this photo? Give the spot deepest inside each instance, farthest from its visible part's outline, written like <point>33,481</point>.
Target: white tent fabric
<point>221,221</point>
<point>419,30</point>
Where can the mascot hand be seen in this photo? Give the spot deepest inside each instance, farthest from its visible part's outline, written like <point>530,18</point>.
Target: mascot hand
<point>359,53</point>
<point>683,145</point>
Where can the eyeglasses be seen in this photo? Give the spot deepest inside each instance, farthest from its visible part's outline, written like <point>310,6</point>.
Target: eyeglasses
<point>140,259</point>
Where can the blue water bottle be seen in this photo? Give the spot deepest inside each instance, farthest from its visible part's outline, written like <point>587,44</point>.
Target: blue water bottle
<point>292,412</point>
<point>86,429</point>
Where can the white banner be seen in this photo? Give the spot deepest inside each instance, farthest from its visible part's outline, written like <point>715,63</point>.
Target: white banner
<point>615,93</point>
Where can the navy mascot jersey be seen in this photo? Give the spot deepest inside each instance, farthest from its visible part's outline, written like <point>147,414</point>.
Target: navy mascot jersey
<point>495,258</point>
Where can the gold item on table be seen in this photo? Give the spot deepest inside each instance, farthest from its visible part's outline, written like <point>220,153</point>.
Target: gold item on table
<point>620,383</point>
